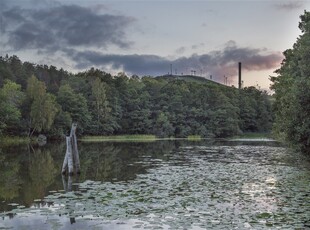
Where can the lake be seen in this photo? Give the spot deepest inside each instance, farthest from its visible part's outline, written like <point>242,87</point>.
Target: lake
<point>177,184</point>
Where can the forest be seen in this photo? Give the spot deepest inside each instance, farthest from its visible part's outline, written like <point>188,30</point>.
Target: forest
<point>41,99</point>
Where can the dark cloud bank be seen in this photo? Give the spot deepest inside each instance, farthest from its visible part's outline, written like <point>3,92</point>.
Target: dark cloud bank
<point>77,31</point>
<point>63,26</point>
<point>216,63</point>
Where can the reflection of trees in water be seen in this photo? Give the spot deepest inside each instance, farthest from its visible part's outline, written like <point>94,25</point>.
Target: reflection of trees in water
<point>118,161</point>
<point>10,181</point>
<point>11,177</point>
<point>42,172</point>
<point>28,173</point>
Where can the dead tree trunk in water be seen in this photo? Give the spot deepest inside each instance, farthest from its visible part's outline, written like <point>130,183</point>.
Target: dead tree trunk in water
<point>72,155</point>
<point>75,151</point>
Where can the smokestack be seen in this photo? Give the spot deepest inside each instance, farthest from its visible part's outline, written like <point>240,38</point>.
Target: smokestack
<point>239,75</point>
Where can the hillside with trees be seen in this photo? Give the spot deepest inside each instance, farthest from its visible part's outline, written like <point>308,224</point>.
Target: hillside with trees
<point>292,91</point>
<point>38,99</point>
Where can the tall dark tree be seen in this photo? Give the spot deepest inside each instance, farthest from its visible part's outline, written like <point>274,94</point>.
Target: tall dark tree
<point>292,91</point>
<point>75,105</point>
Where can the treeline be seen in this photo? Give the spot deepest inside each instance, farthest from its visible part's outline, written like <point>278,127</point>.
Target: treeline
<point>292,91</point>
<point>42,99</point>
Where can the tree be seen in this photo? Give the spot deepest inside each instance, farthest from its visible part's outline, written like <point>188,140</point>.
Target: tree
<point>16,67</point>
<point>11,98</point>
<point>255,110</point>
<point>224,117</point>
<point>74,104</point>
<point>163,127</point>
<point>292,91</point>
<point>247,105</point>
<point>135,108</point>
<point>100,103</point>
<point>43,106</point>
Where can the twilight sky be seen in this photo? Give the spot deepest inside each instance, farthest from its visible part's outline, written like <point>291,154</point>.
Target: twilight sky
<point>145,37</point>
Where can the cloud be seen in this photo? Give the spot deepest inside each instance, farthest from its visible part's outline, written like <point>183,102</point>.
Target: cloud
<point>180,50</point>
<point>134,64</point>
<point>292,5</point>
<point>198,46</point>
<point>63,26</point>
<point>216,63</point>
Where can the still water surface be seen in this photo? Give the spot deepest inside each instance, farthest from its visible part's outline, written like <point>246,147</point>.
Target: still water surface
<point>156,185</point>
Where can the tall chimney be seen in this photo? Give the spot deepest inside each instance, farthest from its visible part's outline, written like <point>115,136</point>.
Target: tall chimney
<point>239,75</point>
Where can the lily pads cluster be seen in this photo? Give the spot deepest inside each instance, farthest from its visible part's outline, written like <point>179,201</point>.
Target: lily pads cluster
<point>197,187</point>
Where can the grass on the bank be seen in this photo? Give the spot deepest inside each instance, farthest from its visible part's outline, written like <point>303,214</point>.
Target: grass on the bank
<point>194,138</point>
<point>119,138</point>
<point>9,140</point>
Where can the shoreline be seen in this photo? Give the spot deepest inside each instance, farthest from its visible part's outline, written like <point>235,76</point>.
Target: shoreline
<point>17,140</point>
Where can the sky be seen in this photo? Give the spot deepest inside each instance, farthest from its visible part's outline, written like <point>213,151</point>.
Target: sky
<point>151,37</point>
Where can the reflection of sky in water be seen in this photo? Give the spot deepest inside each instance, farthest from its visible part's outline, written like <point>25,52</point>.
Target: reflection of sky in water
<point>193,186</point>
<point>38,222</point>
<point>260,192</point>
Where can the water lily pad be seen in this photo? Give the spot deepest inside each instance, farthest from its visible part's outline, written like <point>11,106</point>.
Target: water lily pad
<point>264,215</point>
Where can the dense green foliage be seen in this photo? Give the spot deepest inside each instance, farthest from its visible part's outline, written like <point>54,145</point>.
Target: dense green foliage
<point>292,91</point>
<point>40,99</point>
